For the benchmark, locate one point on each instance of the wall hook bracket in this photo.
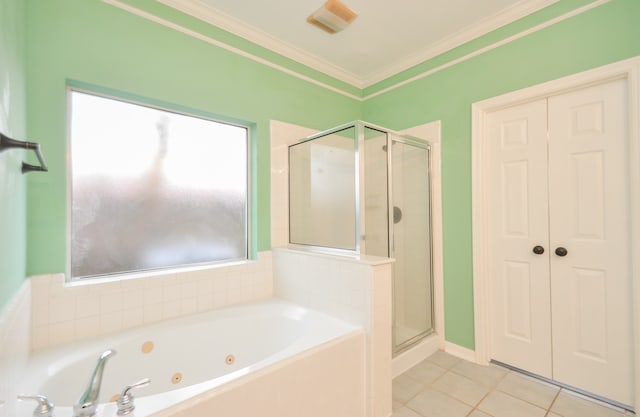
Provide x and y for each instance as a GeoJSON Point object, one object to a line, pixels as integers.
{"type": "Point", "coordinates": [8, 143]}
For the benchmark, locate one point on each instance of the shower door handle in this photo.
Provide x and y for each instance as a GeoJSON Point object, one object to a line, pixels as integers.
{"type": "Point", "coordinates": [397, 214]}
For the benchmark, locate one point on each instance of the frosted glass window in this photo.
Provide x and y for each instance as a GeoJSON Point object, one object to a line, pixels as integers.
{"type": "Point", "coordinates": [153, 189]}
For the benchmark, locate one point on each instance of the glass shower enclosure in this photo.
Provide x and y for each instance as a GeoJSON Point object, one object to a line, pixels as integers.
{"type": "Point", "coordinates": [363, 189]}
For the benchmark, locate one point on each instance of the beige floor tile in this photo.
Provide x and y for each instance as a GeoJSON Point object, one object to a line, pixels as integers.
{"type": "Point", "coordinates": [528, 389]}
{"type": "Point", "coordinates": [571, 405]}
{"type": "Point", "coordinates": [426, 372]}
{"type": "Point", "coordinates": [489, 376]}
{"type": "Point", "coordinates": [405, 412]}
{"type": "Point", "coordinates": [461, 388]}
{"type": "Point", "coordinates": [499, 404]}
{"type": "Point", "coordinates": [429, 390]}
{"type": "Point", "coordinates": [443, 360]}
{"type": "Point", "coordinates": [405, 388]}
{"type": "Point", "coordinates": [478, 413]}
{"type": "Point", "coordinates": [432, 403]}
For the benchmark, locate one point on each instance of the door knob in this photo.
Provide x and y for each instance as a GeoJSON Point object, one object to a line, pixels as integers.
{"type": "Point", "coordinates": [538, 250]}
{"type": "Point", "coordinates": [560, 251]}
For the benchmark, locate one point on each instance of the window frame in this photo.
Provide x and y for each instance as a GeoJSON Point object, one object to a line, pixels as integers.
{"type": "Point", "coordinates": [249, 247]}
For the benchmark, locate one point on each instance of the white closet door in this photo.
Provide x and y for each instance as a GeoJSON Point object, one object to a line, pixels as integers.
{"type": "Point", "coordinates": [518, 218]}
{"type": "Point", "coordinates": [589, 217]}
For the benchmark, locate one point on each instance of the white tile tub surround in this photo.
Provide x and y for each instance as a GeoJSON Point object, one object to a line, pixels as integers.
{"type": "Point", "coordinates": [63, 313]}
{"type": "Point", "coordinates": [14, 347]}
{"type": "Point", "coordinates": [354, 290]}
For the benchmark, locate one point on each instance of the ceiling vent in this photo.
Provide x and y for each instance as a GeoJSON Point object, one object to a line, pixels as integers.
{"type": "Point", "coordinates": [332, 17]}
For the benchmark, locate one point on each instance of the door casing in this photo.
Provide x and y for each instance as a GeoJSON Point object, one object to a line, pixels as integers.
{"type": "Point", "coordinates": [629, 70]}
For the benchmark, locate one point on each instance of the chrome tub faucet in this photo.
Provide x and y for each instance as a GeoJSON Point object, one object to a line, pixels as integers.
{"type": "Point", "coordinates": [88, 403]}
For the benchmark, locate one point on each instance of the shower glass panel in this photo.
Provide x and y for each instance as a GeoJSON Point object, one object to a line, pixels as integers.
{"type": "Point", "coordinates": [322, 191]}
{"type": "Point", "coordinates": [413, 317]}
{"type": "Point", "coordinates": [376, 207]}
{"type": "Point", "coordinates": [362, 189]}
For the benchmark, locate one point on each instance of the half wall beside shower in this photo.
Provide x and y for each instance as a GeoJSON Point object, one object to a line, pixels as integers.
{"type": "Point", "coordinates": [362, 189]}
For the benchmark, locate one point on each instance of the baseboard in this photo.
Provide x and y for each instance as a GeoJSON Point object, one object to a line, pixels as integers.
{"type": "Point", "coordinates": [460, 351]}
{"type": "Point", "coordinates": [413, 356]}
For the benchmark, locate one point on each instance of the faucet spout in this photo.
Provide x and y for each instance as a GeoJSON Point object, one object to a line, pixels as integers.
{"type": "Point", "coordinates": [88, 402]}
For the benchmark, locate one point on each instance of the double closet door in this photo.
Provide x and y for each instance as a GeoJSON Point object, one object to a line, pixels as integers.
{"type": "Point", "coordinates": [560, 262]}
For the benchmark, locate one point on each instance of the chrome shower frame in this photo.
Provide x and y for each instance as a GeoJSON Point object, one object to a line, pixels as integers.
{"type": "Point", "coordinates": [419, 143]}
{"type": "Point", "coordinates": [360, 228]}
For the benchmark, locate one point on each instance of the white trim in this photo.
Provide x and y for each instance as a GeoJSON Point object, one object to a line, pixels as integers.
{"type": "Point", "coordinates": [220, 44]}
{"type": "Point", "coordinates": [195, 9]}
{"type": "Point", "coordinates": [216, 17]}
{"type": "Point", "coordinates": [629, 70]}
{"type": "Point", "coordinates": [480, 28]}
{"type": "Point", "coordinates": [459, 351]}
{"type": "Point", "coordinates": [491, 47]}
{"type": "Point", "coordinates": [411, 357]}
{"type": "Point", "coordinates": [229, 23]}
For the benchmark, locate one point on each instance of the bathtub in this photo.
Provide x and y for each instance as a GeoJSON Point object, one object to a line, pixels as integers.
{"type": "Point", "coordinates": [270, 358]}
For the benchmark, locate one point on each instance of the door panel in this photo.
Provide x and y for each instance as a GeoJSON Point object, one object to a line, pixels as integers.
{"type": "Point", "coordinates": [588, 206]}
{"type": "Point", "coordinates": [517, 301]}
{"type": "Point", "coordinates": [519, 291]}
{"type": "Point", "coordinates": [589, 305]}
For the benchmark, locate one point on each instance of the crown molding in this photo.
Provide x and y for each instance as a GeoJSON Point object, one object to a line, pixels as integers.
{"type": "Point", "coordinates": [197, 35]}
{"type": "Point", "coordinates": [517, 11]}
{"type": "Point", "coordinates": [477, 52]}
{"type": "Point", "coordinates": [469, 33]}
{"type": "Point", "coordinates": [206, 13]}
{"type": "Point", "coordinates": [213, 16]}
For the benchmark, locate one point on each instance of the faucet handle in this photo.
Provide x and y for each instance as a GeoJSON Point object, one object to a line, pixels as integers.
{"type": "Point", "coordinates": [44, 407]}
{"type": "Point", "coordinates": [125, 401]}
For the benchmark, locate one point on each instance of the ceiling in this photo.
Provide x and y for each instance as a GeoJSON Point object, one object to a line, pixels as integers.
{"type": "Point", "coordinates": [386, 37]}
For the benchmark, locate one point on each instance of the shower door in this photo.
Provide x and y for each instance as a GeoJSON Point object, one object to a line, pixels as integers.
{"type": "Point", "coordinates": [360, 189]}
{"type": "Point", "coordinates": [410, 241]}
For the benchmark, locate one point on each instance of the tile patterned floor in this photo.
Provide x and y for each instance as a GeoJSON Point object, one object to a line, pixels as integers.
{"type": "Point", "coordinates": [445, 386]}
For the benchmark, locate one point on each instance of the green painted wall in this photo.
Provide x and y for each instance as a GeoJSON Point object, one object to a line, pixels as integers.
{"type": "Point", "coordinates": [13, 124]}
{"type": "Point", "coordinates": [603, 35]}
{"type": "Point", "coordinates": [94, 43]}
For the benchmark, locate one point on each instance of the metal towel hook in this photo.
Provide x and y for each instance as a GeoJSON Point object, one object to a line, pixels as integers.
{"type": "Point", "coordinates": [8, 143]}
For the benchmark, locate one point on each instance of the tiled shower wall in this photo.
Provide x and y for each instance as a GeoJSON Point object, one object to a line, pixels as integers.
{"type": "Point", "coordinates": [63, 314]}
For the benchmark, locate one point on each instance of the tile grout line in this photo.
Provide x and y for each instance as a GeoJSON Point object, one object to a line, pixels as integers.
{"type": "Point", "coordinates": [490, 391]}
{"type": "Point", "coordinates": [553, 402]}
{"type": "Point", "coordinates": [475, 408]}
{"type": "Point", "coordinates": [493, 388]}
{"type": "Point", "coordinates": [424, 385]}
{"type": "Point", "coordinates": [508, 394]}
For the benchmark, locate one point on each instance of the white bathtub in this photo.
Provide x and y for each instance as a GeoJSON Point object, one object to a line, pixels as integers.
{"type": "Point", "coordinates": [275, 346]}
